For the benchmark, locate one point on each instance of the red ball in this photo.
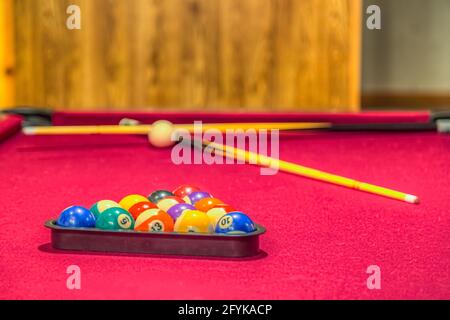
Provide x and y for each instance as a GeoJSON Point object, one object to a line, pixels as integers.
{"type": "Point", "coordinates": [185, 190]}
{"type": "Point", "coordinates": [140, 207]}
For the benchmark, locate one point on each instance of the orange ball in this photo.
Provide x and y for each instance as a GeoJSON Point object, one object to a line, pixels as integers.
{"type": "Point", "coordinates": [154, 220]}
{"type": "Point", "coordinates": [207, 203]}
{"type": "Point", "coordinates": [140, 207]}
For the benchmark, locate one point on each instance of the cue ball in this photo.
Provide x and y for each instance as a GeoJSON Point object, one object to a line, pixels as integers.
{"type": "Point", "coordinates": [193, 221]}
{"type": "Point", "coordinates": [235, 222]}
{"type": "Point", "coordinates": [115, 219]}
{"type": "Point", "coordinates": [76, 217]}
{"type": "Point", "coordinates": [160, 134]}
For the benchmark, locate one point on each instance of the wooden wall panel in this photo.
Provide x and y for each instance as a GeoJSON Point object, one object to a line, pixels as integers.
{"type": "Point", "coordinates": [6, 54]}
{"type": "Point", "coordinates": [190, 54]}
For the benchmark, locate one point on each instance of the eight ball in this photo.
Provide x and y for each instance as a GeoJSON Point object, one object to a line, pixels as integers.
{"type": "Point", "coordinates": [158, 195]}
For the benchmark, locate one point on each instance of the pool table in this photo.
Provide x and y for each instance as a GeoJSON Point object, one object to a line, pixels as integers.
{"type": "Point", "coordinates": [320, 238]}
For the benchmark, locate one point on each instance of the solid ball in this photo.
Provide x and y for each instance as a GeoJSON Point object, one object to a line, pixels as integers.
{"type": "Point", "coordinates": [102, 205]}
{"type": "Point", "coordinates": [218, 211]}
{"type": "Point", "coordinates": [178, 209]}
{"type": "Point", "coordinates": [140, 207]}
{"type": "Point", "coordinates": [168, 202]}
{"type": "Point", "coordinates": [196, 196]}
{"type": "Point", "coordinates": [185, 190]}
{"type": "Point", "coordinates": [235, 223]}
{"type": "Point", "coordinates": [76, 217]}
{"type": "Point", "coordinates": [157, 195]}
{"type": "Point", "coordinates": [130, 200]}
{"type": "Point", "coordinates": [115, 219]}
{"type": "Point", "coordinates": [160, 134]}
{"type": "Point", "coordinates": [207, 203]}
{"type": "Point", "coordinates": [154, 220]}
{"type": "Point", "coordinates": [193, 221]}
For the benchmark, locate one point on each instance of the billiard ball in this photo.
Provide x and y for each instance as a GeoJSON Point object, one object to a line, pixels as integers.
{"type": "Point", "coordinates": [217, 212]}
{"type": "Point", "coordinates": [235, 222]}
{"type": "Point", "coordinates": [168, 202]}
{"type": "Point", "coordinates": [140, 207]}
{"type": "Point", "coordinates": [76, 217]}
{"type": "Point", "coordinates": [115, 219]}
{"type": "Point", "coordinates": [178, 209]}
{"type": "Point", "coordinates": [154, 220]}
{"type": "Point", "coordinates": [102, 205]}
{"type": "Point", "coordinates": [130, 200]}
{"type": "Point", "coordinates": [185, 190]}
{"type": "Point", "coordinates": [157, 195]}
{"type": "Point", "coordinates": [160, 134]}
{"type": "Point", "coordinates": [207, 203]}
{"type": "Point", "coordinates": [193, 221]}
{"type": "Point", "coordinates": [196, 196]}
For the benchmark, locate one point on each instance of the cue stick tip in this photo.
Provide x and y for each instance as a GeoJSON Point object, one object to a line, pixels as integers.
{"type": "Point", "coordinates": [412, 199]}
{"type": "Point", "coordinates": [29, 131]}
{"type": "Point", "coordinates": [443, 125]}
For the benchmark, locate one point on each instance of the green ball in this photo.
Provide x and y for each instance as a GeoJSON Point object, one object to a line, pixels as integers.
{"type": "Point", "coordinates": [115, 219]}
{"type": "Point", "coordinates": [102, 205]}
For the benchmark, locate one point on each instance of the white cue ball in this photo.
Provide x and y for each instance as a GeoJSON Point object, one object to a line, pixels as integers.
{"type": "Point", "coordinates": [160, 135]}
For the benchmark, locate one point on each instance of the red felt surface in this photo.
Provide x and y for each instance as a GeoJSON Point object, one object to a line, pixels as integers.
{"type": "Point", "coordinates": [320, 238]}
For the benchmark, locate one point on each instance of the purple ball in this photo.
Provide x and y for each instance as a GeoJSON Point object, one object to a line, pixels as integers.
{"type": "Point", "coordinates": [198, 195]}
{"type": "Point", "coordinates": [176, 210]}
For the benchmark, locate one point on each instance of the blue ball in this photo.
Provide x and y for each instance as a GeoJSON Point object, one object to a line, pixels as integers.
{"type": "Point", "coordinates": [235, 222]}
{"type": "Point", "coordinates": [76, 217]}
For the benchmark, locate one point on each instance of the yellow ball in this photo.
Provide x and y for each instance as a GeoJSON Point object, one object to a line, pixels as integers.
{"type": "Point", "coordinates": [161, 133]}
{"type": "Point", "coordinates": [214, 215]}
{"type": "Point", "coordinates": [131, 200]}
{"type": "Point", "coordinates": [193, 221]}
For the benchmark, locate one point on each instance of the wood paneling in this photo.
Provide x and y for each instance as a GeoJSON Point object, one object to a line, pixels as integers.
{"type": "Point", "coordinates": [6, 54]}
{"type": "Point", "coordinates": [406, 100]}
{"type": "Point", "coordinates": [190, 54]}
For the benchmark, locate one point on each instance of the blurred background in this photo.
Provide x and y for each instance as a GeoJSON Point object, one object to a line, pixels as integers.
{"type": "Point", "coordinates": [213, 55]}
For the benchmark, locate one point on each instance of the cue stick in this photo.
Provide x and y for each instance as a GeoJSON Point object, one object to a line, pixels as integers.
{"type": "Point", "coordinates": [311, 173]}
{"type": "Point", "coordinates": [145, 129]}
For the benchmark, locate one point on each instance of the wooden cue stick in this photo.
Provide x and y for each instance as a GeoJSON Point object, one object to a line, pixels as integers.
{"type": "Point", "coordinates": [145, 129]}
{"type": "Point", "coordinates": [265, 161]}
